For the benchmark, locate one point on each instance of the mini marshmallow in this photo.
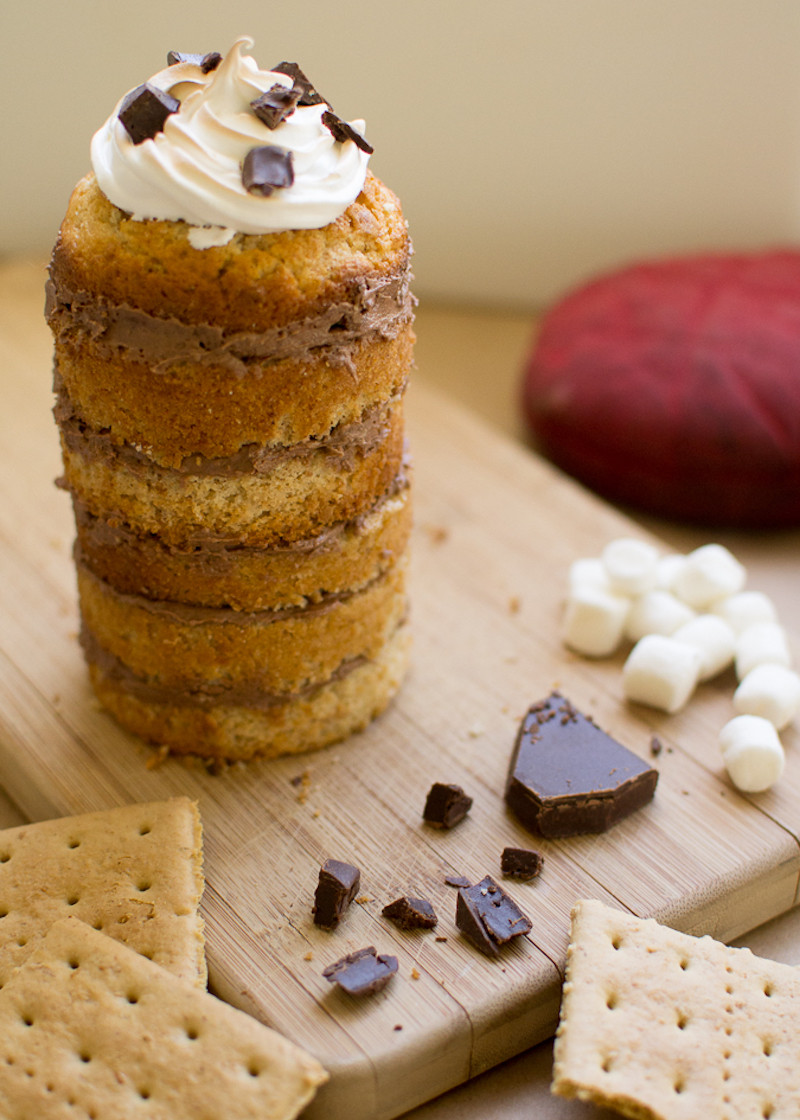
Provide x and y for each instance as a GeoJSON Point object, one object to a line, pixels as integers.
{"type": "Point", "coordinates": [710, 573]}
{"type": "Point", "coordinates": [595, 621]}
{"type": "Point", "coordinates": [656, 612]}
{"type": "Point", "coordinates": [631, 566]}
{"type": "Point", "coordinates": [745, 609]}
{"type": "Point", "coordinates": [588, 573]}
{"type": "Point", "coordinates": [770, 691]}
{"type": "Point", "coordinates": [752, 753]}
{"type": "Point", "coordinates": [667, 569]}
{"type": "Point", "coordinates": [713, 639]}
{"type": "Point", "coordinates": [762, 644]}
{"type": "Point", "coordinates": [661, 672]}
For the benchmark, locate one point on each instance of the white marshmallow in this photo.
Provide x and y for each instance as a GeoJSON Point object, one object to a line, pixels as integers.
{"type": "Point", "coordinates": [595, 621]}
{"type": "Point", "coordinates": [770, 691]}
{"type": "Point", "coordinates": [713, 639]}
{"type": "Point", "coordinates": [656, 612]}
{"type": "Point", "coordinates": [745, 609]}
{"type": "Point", "coordinates": [661, 672]}
{"type": "Point", "coordinates": [667, 568]}
{"type": "Point", "coordinates": [631, 566]}
{"type": "Point", "coordinates": [752, 753]}
{"type": "Point", "coordinates": [710, 573]}
{"type": "Point", "coordinates": [762, 644]}
{"type": "Point", "coordinates": [588, 573]}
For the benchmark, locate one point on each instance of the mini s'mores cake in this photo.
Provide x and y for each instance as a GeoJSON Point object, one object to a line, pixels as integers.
{"type": "Point", "coordinates": [233, 335]}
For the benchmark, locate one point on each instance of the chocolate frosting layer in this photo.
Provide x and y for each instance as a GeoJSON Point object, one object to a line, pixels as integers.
{"type": "Point", "coordinates": [346, 444]}
{"type": "Point", "coordinates": [200, 694]}
{"type": "Point", "coordinates": [216, 553]}
{"type": "Point", "coordinates": [378, 308]}
{"type": "Point", "coordinates": [188, 615]}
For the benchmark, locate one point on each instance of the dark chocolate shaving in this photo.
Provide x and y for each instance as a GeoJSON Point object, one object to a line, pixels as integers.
{"type": "Point", "coordinates": [206, 62]}
{"type": "Point", "coordinates": [446, 805]}
{"type": "Point", "coordinates": [521, 863]}
{"type": "Point", "coordinates": [308, 95]}
{"type": "Point", "coordinates": [337, 887]}
{"type": "Point", "coordinates": [362, 972]}
{"type": "Point", "coordinates": [267, 169]}
{"type": "Point", "coordinates": [488, 917]}
{"type": "Point", "coordinates": [144, 111]}
{"type": "Point", "coordinates": [342, 131]}
{"type": "Point", "coordinates": [276, 104]}
{"type": "Point", "coordinates": [457, 881]}
{"type": "Point", "coordinates": [411, 913]}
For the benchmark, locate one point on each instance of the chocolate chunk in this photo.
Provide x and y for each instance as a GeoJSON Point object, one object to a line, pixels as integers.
{"type": "Point", "coordinates": [342, 131]}
{"type": "Point", "coordinates": [568, 777]}
{"type": "Point", "coordinates": [488, 917]}
{"type": "Point", "coordinates": [655, 746]}
{"type": "Point", "coordinates": [308, 95]}
{"type": "Point", "coordinates": [337, 887]}
{"type": "Point", "coordinates": [411, 913]}
{"type": "Point", "coordinates": [144, 110]}
{"type": "Point", "coordinates": [362, 972]}
{"type": "Point", "coordinates": [446, 805]}
{"type": "Point", "coordinates": [266, 169]}
{"type": "Point", "coordinates": [275, 105]}
{"type": "Point", "coordinates": [457, 880]}
{"type": "Point", "coordinates": [521, 863]}
{"type": "Point", "coordinates": [206, 62]}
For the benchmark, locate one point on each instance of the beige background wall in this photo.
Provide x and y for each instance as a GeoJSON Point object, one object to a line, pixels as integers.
{"type": "Point", "coordinates": [532, 141]}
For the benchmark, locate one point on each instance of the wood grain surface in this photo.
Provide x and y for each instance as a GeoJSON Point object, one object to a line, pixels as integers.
{"type": "Point", "coordinates": [496, 529]}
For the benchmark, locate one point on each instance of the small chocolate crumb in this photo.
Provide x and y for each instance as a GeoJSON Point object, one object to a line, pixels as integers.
{"type": "Point", "coordinates": [267, 169]}
{"type": "Point", "coordinates": [397, 1027]}
{"type": "Point", "coordinates": [488, 917]}
{"type": "Point", "coordinates": [446, 805]}
{"type": "Point", "coordinates": [410, 913]}
{"type": "Point", "coordinates": [362, 972]}
{"type": "Point", "coordinates": [440, 939]}
{"type": "Point", "coordinates": [308, 95]}
{"type": "Point", "coordinates": [342, 131]}
{"type": "Point", "coordinates": [456, 881]}
{"type": "Point", "coordinates": [276, 104]}
{"type": "Point", "coordinates": [655, 746]}
{"type": "Point", "coordinates": [206, 62]}
{"type": "Point", "coordinates": [144, 110]}
{"type": "Point", "coordinates": [521, 863]}
{"type": "Point", "coordinates": [337, 887]}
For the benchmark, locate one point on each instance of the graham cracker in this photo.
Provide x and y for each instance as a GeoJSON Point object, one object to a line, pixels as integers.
{"type": "Point", "coordinates": [135, 872]}
{"type": "Point", "coordinates": [89, 1028]}
{"type": "Point", "coordinates": [663, 1026]}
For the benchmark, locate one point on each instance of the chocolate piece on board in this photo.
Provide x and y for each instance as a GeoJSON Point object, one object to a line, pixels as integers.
{"type": "Point", "coordinates": [275, 105]}
{"type": "Point", "coordinates": [362, 972]}
{"type": "Point", "coordinates": [446, 805]}
{"type": "Point", "coordinates": [266, 169]}
{"type": "Point", "coordinates": [568, 777]}
{"type": "Point", "coordinates": [337, 887]}
{"type": "Point", "coordinates": [521, 863]}
{"type": "Point", "coordinates": [488, 917]}
{"type": "Point", "coordinates": [457, 880]}
{"type": "Point", "coordinates": [144, 110]}
{"type": "Point", "coordinates": [341, 131]}
{"type": "Point", "coordinates": [308, 95]}
{"type": "Point", "coordinates": [411, 913]}
{"type": "Point", "coordinates": [206, 62]}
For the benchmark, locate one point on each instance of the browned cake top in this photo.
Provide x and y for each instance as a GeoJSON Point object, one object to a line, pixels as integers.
{"type": "Point", "coordinates": [255, 282]}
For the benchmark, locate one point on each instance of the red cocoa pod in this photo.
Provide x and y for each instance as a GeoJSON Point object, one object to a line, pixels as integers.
{"type": "Point", "coordinates": [674, 387]}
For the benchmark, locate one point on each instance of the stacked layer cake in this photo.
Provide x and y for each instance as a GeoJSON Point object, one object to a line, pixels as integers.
{"type": "Point", "coordinates": [231, 412]}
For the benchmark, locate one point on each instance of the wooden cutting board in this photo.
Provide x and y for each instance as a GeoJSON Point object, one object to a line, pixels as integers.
{"type": "Point", "coordinates": [496, 530]}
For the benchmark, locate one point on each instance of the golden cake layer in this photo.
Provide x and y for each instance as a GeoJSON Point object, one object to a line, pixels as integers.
{"type": "Point", "coordinates": [345, 556]}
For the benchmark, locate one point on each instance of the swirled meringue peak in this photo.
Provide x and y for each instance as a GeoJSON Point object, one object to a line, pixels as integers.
{"type": "Point", "coordinates": [191, 171]}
